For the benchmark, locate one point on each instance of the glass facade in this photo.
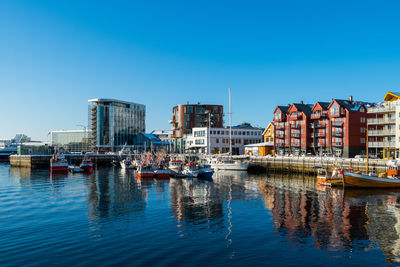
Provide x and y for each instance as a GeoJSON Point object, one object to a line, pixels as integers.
{"type": "Point", "coordinates": [71, 141]}
{"type": "Point", "coordinates": [115, 123]}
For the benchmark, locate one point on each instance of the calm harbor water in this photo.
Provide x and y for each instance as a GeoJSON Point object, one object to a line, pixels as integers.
{"type": "Point", "coordinates": [110, 217]}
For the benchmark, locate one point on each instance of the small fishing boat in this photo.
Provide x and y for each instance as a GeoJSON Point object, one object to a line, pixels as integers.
{"type": "Point", "coordinates": [205, 171]}
{"type": "Point", "coordinates": [162, 173]}
{"type": "Point", "coordinates": [191, 170]}
{"type": "Point", "coordinates": [87, 165]}
{"type": "Point", "coordinates": [58, 164]}
{"type": "Point", "coordinates": [75, 169]}
{"type": "Point", "coordinates": [326, 179]}
{"type": "Point", "coordinates": [145, 171]}
{"type": "Point", "coordinates": [175, 166]}
{"type": "Point", "coordinates": [127, 163]}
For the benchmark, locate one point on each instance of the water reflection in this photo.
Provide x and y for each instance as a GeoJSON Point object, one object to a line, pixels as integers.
{"type": "Point", "coordinates": [113, 193]}
{"type": "Point", "coordinates": [335, 219]}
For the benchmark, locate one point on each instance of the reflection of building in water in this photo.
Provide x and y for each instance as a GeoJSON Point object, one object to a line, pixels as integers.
{"type": "Point", "coordinates": [300, 211]}
{"type": "Point", "coordinates": [193, 200]}
{"type": "Point", "coordinates": [384, 225]}
{"type": "Point", "coordinates": [113, 193]}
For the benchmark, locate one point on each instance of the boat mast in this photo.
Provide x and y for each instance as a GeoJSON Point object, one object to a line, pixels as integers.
{"type": "Point", "coordinates": [230, 123]}
{"type": "Point", "coordinates": [367, 150]}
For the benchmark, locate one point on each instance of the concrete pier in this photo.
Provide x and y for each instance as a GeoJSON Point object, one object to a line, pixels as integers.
{"type": "Point", "coordinates": [43, 161]}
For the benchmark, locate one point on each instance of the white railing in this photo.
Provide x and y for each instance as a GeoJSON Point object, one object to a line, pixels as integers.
{"type": "Point", "coordinates": [380, 132]}
{"type": "Point", "coordinates": [381, 121]}
{"type": "Point", "coordinates": [381, 109]}
{"type": "Point", "coordinates": [381, 144]}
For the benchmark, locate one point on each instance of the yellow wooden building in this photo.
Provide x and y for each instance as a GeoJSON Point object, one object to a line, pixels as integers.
{"type": "Point", "coordinates": [265, 148]}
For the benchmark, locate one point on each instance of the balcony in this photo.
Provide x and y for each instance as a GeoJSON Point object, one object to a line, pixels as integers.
{"type": "Point", "coordinates": [381, 109]}
{"type": "Point", "coordinates": [296, 126]}
{"type": "Point", "coordinates": [280, 136]}
{"type": "Point", "coordinates": [295, 145]}
{"type": "Point", "coordinates": [320, 134]}
{"type": "Point", "coordinates": [280, 127]}
{"type": "Point", "coordinates": [381, 121]}
{"type": "Point", "coordinates": [337, 144]}
{"type": "Point", "coordinates": [381, 144]}
{"type": "Point", "coordinates": [296, 116]}
{"type": "Point", "coordinates": [295, 135]}
{"type": "Point", "coordinates": [319, 115]}
{"type": "Point", "coordinates": [380, 133]}
{"type": "Point", "coordinates": [337, 124]}
{"type": "Point", "coordinates": [337, 134]}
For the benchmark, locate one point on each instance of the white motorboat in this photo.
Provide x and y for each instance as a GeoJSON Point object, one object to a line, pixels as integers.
{"type": "Point", "coordinates": [229, 164]}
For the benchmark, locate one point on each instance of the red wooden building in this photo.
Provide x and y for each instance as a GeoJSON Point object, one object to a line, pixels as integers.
{"type": "Point", "coordinates": [336, 128]}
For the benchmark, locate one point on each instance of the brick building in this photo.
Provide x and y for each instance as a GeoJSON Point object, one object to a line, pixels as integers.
{"type": "Point", "coordinates": [336, 128]}
{"type": "Point", "coordinates": [185, 117]}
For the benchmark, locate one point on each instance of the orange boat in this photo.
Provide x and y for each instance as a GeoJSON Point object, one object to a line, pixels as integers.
{"type": "Point", "coordinates": [145, 172]}
{"type": "Point", "coordinates": [334, 179]}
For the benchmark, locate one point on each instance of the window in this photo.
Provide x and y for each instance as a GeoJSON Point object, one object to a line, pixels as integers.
{"type": "Point", "coordinates": [189, 109]}
{"type": "Point", "coordinates": [217, 132]}
{"type": "Point", "coordinates": [362, 119]}
{"type": "Point", "coordinates": [362, 109]}
{"type": "Point", "coordinates": [217, 140]}
{"type": "Point", "coordinates": [362, 140]}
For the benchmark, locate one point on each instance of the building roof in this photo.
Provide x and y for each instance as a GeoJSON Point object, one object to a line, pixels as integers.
{"type": "Point", "coordinates": [392, 96]}
{"type": "Point", "coordinates": [244, 126]}
{"type": "Point", "coordinates": [151, 136]}
{"type": "Point", "coordinates": [284, 108]}
{"type": "Point", "coordinates": [352, 105]}
{"type": "Point", "coordinates": [266, 128]}
{"type": "Point", "coordinates": [104, 100]}
{"type": "Point", "coordinates": [261, 144]}
{"type": "Point", "coordinates": [306, 108]}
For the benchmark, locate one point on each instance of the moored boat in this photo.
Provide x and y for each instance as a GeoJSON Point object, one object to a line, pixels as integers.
{"type": "Point", "coordinates": [87, 165]}
{"type": "Point", "coordinates": [205, 171]}
{"type": "Point", "coordinates": [162, 174]}
{"type": "Point", "coordinates": [175, 166]}
{"type": "Point", "coordinates": [58, 164]}
{"type": "Point", "coordinates": [391, 179]}
{"type": "Point", "coordinates": [191, 170]}
{"type": "Point", "coordinates": [333, 179]}
{"type": "Point", "coordinates": [145, 172]}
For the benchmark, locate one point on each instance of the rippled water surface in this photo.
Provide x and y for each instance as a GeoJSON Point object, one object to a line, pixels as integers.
{"type": "Point", "coordinates": [110, 217]}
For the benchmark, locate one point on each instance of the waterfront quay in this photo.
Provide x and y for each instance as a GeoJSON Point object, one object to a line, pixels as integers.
{"type": "Point", "coordinates": [43, 161]}
{"type": "Point", "coordinates": [257, 164]}
{"type": "Point", "coordinates": [308, 164]}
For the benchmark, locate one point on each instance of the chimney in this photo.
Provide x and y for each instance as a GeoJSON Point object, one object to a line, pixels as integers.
{"type": "Point", "coordinates": [301, 102]}
{"type": "Point", "coordinates": [350, 99]}
{"type": "Point", "coordinates": [187, 102]}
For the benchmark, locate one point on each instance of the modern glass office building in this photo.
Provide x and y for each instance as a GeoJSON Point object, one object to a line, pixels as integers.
{"type": "Point", "coordinates": [114, 123]}
{"type": "Point", "coordinates": [71, 141]}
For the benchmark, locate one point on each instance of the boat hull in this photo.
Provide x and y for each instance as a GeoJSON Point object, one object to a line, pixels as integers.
{"type": "Point", "coordinates": [59, 168]}
{"type": "Point", "coordinates": [231, 166]}
{"type": "Point", "coordinates": [163, 174]}
{"type": "Point", "coordinates": [365, 181]}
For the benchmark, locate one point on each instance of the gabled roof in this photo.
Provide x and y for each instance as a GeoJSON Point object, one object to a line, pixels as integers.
{"type": "Point", "coordinates": [306, 108]}
{"type": "Point", "coordinates": [392, 96]}
{"type": "Point", "coordinates": [284, 109]}
{"type": "Point", "coordinates": [324, 105]}
{"type": "Point", "coordinates": [350, 105]}
{"type": "Point", "coordinates": [266, 128]}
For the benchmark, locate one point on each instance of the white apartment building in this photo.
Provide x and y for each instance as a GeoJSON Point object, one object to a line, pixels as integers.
{"type": "Point", "coordinates": [242, 135]}
{"type": "Point", "coordinates": [384, 127]}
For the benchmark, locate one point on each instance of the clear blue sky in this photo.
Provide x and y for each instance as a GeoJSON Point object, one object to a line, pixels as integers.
{"type": "Point", "coordinates": [55, 55]}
